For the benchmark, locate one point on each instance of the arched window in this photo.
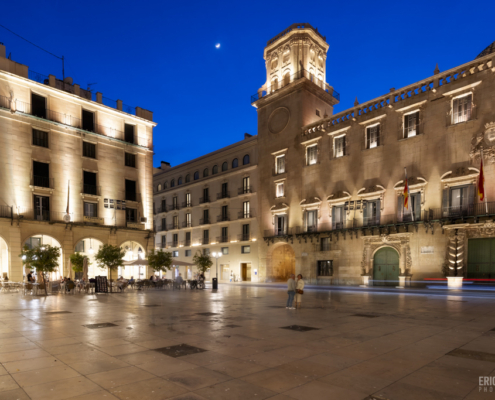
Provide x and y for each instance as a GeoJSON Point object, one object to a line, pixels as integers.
{"type": "Point", "coordinates": [235, 163]}
{"type": "Point", "coordinates": [196, 175]}
{"type": "Point", "coordinates": [225, 166]}
{"type": "Point", "coordinates": [214, 170]}
{"type": "Point", "coordinates": [172, 183]}
{"type": "Point", "coordinates": [179, 181]}
{"type": "Point", "coordinates": [205, 172]}
{"type": "Point", "coordinates": [275, 84]}
{"type": "Point", "coordinates": [245, 160]}
{"type": "Point", "coordinates": [165, 185]}
{"type": "Point", "coordinates": [286, 78]}
{"type": "Point", "coordinates": [188, 178]}
{"type": "Point", "coordinates": [159, 186]}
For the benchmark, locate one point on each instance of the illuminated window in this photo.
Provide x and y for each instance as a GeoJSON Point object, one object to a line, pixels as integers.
{"type": "Point", "coordinates": [279, 189]}
{"type": "Point", "coordinates": [411, 123]}
{"type": "Point", "coordinates": [462, 108]}
{"type": "Point", "coordinates": [373, 136]}
{"type": "Point", "coordinates": [312, 154]}
{"type": "Point", "coordinates": [339, 146]}
{"type": "Point", "coordinates": [280, 164]}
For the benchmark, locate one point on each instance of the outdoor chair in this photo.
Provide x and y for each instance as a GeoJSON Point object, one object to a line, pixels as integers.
{"type": "Point", "coordinates": [28, 288]}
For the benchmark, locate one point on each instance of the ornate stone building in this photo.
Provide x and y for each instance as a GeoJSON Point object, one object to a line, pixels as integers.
{"type": "Point", "coordinates": [330, 186]}
{"type": "Point", "coordinates": [76, 170]}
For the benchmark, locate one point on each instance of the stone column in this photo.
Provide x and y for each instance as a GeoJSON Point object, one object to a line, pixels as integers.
{"type": "Point", "coordinates": [16, 270]}
{"type": "Point", "coordinates": [68, 247]}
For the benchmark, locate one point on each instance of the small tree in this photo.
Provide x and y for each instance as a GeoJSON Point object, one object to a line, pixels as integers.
{"type": "Point", "coordinates": [202, 261]}
{"type": "Point", "coordinates": [160, 260]}
{"type": "Point", "coordinates": [77, 261]}
{"type": "Point", "coordinates": [111, 257]}
{"type": "Point", "coordinates": [44, 259]}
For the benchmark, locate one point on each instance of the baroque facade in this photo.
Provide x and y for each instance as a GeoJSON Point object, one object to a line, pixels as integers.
{"type": "Point", "coordinates": [76, 171]}
{"type": "Point", "coordinates": [330, 185]}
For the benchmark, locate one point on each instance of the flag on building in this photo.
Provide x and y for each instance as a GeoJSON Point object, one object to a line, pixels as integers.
{"type": "Point", "coordinates": [481, 182]}
{"type": "Point", "coordinates": [406, 192]}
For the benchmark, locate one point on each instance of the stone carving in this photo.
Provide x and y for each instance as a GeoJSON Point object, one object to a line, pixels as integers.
{"type": "Point", "coordinates": [485, 141]}
{"type": "Point", "coordinates": [278, 120]}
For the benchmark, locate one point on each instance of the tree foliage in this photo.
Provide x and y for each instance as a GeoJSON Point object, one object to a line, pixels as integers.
{"type": "Point", "coordinates": [202, 261]}
{"type": "Point", "coordinates": [77, 261]}
{"type": "Point", "coordinates": [109, 256]}
{"type": "Point", "coordinates": [43, 258]}
{"type": "Point", "coordinates": [160, 260]}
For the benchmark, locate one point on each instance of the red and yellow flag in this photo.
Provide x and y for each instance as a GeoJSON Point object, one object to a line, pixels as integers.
{"type": "Point", "coordinates": [406, 192]}
{"type": "Point", "coordinates": [481, 182]}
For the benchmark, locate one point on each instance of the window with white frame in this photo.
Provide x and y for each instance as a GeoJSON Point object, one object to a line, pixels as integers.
{"type": "Point", "coordinates": [312, 154]}
{"type": "Point", "coordinates": [338, 217]}
{"type": "Point", "coordinates": [411, 124]}
{"type": "Point", "coordinates": [373, 136]}
{"type": "Point", "coordinates": [280, 164]}
{"type": "Point", "coordinates": [311, 221]}
{"type": "Point", "coordinates": [462, 108]}
{"type": "Point", "coordinates": [175, 253]}
{"type": "Point", "coordinates": [279, 189]}
{"type": "Point", "coordinates": [339, 146]}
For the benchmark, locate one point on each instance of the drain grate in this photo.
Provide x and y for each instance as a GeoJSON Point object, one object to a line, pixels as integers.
{"type": "Point", "coordinates": [98, 326]}
{"type": "Point", "coordinates": [365, 315]}
{"type": "Point", "coordinates": [300, 328]}
{"type": "Point", "coordinates": [58, 312]}
{"type": "Point", "coordinates": [180, 350]}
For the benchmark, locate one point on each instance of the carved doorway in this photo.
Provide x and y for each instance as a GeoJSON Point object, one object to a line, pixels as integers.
{"type": "Point", "coordinates": [386, 267]}
{"type": "Point", "coordinates": [283, 262]}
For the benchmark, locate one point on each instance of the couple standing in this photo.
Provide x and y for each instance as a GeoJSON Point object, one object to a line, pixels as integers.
{"type": "Point", "coordinates": [295, 289]}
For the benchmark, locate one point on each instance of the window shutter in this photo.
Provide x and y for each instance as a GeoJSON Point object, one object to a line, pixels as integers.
{"type": "Point", "coordinates": [344, 150]}
{"type": "Point", "coordinates": [333, 217]}
{"type": "Point", "coordinates": [377, 219]}
{"type": "Point", "coordinates": [445, 202]}
{"type": "Point", "coordinates": [378, 141]}
{"type": "Point", "coordinates": [400, 208]}
{"type": "Point", "coordinates": [470, 199]}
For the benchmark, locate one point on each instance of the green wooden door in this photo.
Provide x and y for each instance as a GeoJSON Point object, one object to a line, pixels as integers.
{"type": "Point", "coordinates": [481, 258]}
{"type": "Point", "coordinates": [386, 267]}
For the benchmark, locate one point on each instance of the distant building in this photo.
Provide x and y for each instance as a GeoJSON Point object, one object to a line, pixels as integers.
{"type": "Point", "coordinates": [75, 171]}
{"type": "Point", "coordinates": [329, 187]}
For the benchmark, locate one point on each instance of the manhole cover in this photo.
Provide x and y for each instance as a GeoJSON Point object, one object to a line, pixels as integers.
{"type": "Point", "coordinates": [180, 350]}
{"type": "Point", "coordinates": [98, 326]}
{"type": "Point", "coordinates": [300, 328]}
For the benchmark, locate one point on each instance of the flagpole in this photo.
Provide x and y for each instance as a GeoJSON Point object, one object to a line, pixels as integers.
{"type": "Point", "coordinates": [408, 195]}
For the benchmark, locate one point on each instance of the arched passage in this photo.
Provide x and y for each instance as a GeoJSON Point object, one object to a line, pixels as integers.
{"type": "Point", "coordinates": [386, 267]}
{"type": "Point", "coordinates": [133, 251]}
{"type": "Point", "coordinates": [283, 263]}
{"type": "Point", "coordinates": [4, 259]}
{"type": "Point", "coordinates": [45, 240]}
{"type": "Point", "coordinates": [89, 247]}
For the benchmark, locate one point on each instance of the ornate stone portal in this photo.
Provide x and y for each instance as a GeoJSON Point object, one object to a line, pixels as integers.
{"type": "Point", "coordinates": [485, 141]}
{"type": "Point", "coordinates": [400, 242]}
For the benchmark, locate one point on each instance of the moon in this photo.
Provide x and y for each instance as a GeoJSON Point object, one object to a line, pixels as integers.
{"type": "Point", "coordinates": [217, 45]}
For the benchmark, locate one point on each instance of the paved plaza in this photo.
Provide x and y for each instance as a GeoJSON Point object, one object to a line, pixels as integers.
{"type": "Point", "coordinates": [242, 343]}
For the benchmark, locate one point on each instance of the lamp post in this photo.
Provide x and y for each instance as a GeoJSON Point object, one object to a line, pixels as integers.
{"type": "Point", "coordinates": [216, 256]}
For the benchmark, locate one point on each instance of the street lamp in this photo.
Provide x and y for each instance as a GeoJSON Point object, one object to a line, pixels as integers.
{"type": "Point", "coordinates": [216, 256]}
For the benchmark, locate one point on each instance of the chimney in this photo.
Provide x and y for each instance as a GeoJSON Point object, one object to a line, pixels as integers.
{"type": "Point", "coordinates": [3, 52]}
{"type": "Point", "coordinates": [164, 165]}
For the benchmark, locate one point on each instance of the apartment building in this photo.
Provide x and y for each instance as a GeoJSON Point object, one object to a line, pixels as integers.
{"type": "Point", "coordinates": [209, 205]}
{"type": "Point", "coordinates": [76, 170]}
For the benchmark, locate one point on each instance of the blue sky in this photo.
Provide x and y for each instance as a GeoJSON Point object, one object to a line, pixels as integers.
{"type": "Point", "coordinates": [161, 55]}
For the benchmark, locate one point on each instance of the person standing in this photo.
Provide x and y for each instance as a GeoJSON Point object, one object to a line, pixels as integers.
{"type": "Point", "coordinates": [299, 290]}
{"type": "Point", "coordinates": [291, 291]}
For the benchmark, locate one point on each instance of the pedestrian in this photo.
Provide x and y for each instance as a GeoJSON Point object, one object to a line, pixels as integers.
{"type": "Point", "coordinates": [299, 290]}
{"type": "Point", "coordinates": [291, 291]}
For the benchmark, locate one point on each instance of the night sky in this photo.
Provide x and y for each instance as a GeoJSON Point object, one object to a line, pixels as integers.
{"type": "Point", "coordinates": [161, 55]}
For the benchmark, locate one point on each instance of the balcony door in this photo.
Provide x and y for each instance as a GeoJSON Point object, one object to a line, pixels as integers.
{"type": "Point", "coordinates": [280, 225]}
{"type": "Point", "coordinates": [42, 208]}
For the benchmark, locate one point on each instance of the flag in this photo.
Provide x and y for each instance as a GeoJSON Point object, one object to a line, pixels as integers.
{"type": "Point", "coordinates": [406, 192]}
{"type": "Point", "coordinates": [481, 182]}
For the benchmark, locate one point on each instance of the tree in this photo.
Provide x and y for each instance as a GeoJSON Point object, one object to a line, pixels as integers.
{"type": "Point", "coordinates": [160, 260]}
{"type": "Point", "coordinates": [202, 261]}
{"type": "Point", "coordinates": [77, 261]}
{"type": "Point", "coordinates": [43, 258]}
{"type": "Point", "coordinates": [111, 257]}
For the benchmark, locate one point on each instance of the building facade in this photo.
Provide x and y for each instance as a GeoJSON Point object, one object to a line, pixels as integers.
{"type": "Point", "coordinates": [76, 171]}
{"type": "Point", "coordinates": [209, 205]}
{"type": "Point", "coordinates": [330, 186]}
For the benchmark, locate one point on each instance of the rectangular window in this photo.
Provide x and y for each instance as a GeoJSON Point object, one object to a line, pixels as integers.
{"type": "Point", "coordinates": [164, 241]}
{"type": "Point", "coordinates": [246, 185]}
{"type": "Point", "coordinates": [339, 149]}
{"type": "Point", "coordinates": [41, 174]}
{"type": "Point", "coordinates": [225, 213]}
{"type": "Point", "coordinates": [317, 112]}
{"type": "Point", "coordinates": [188, 200]}
{"type": "Point", "coordinates": [459, 201]}
{"type": "Point", "coordinates": [131, 215]}
{"type": "Point", "coordinates": [40, 138]}
{"type": "Point", "coordinates": [279, 188]}
{"type": "Point", "coordinates": [89, 150]}
{"type": "Point", "coordinates": [462, 108]}
{"type": "Point", "coordinates": [280, 225]}
{"type": "Point", "coordinates": [188, 220]}
{"type": "Point", "coordinates": [130, 160]}
{"type": "Point", "coordinates": [164, 224]}
{"type": "Point", "coordinates": [188, 253]}
{"type": "Point", "coordinates": [312, 221]}
{"type": "Point", "coordinates": [280, 164]}
{"type": "Point", "coordinates": [371, 212]}
{"type": "Point", "coordinates": [206, 216]}
{"type": "Point", "coordinates": [206, 196]}
{"type": "Point", "coordinates": [206, 236]}
{"type": "Point", "coordinates": [246, 249]}
{"type": "Point", "coordinates": [411, 124]}
{"type": "Point", "coordinates": [206, 252]}
{"type": "Point", "coordinates": [225, 235]}
{"type": "Point", "coordinates": [42, 208]}
{"type": "Point", "coordinates": [175, 253]}
{"type": "Point", "coordinates": [175, 203]}
{"type": "Point", "coordinates": [225, 190]}
{"type": "Point", "coordinates": [164, 205]}
{"type": "Point", "coordinates": [372, 136]}
{"type": "Point", "coordinates": [80, 246]}
{"type": "Point", "coordinates": [325, 244]}
{"type": "Point", "coordinates": [88, 120]}
{"type": "Point", "coordinates": [91, 210]}
{"type": "Point", "coordinates": [325, 268]}
{"type": "Point", "coordinates": [246, 209]}
{"type": "Point", "coordinates": [188, 239]}
{"type": "Point", "coordinates": [130, 190]}
{"type": "Point", "coordinates": [176, 222]}
{"type": "Point", "coordinates": [414, 206]}
{"type": "Point", "coordinates": [225, 251]}
{"type": "Point", "coordinates": [129, 133]}
{"type": "Point", "coordinates": [245, 232]}
{"type": "Point", "coordinates": [338, 217]}
{"type": "Point", "coordinates": [38, 105]}
{"type": "Point", "coordinates": [89, 186]}
{"type": "Point", "coordinates": [312, 154]}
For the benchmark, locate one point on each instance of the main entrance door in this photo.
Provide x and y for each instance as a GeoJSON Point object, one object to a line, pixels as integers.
{"type": "Point", "coordinates": [481, 258]}
{"type": "Point", "coordinates": [386, 267]}
{"type": "Point", "coordinates": [246, 272]}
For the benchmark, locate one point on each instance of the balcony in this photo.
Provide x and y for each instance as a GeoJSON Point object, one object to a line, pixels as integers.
{"type": "Point", "coordinates": [174, 207]}
{"type": "Point", "coordinates": [186, 204]}
{"type": "Point", "coordinates": [186, 224]}
{"type": "Point", "coordinates": [223, 195]}
{"type": "Point", "coordinates": [186, 242]}
{"type": "Point", "coordinates": [173, 244]}
{"type": "Point", "coordinates": [245, 190]}
{"type": "Point", "coordinates": [91, 190]}
{"type": "Point", "coordinates": [223, 217]}
{"type": "Point", "coordinates": [278, 232]}
{"type": "Point", "coordinates": [161, 228]}
{"type": "Point", "coordinates": [223, 239]}
{"type": "Point", "coordinates": [246, 214]}
{"type": "Point", "coordinates": [173, 226]}
{"type": "Point", "coordinates": [204, 200]}
{"type": "Point", "coordinates": [204, 221]}
{"type": "Point", "coordinates": [205, 240]}
{"type": "Point", "coordinates": [244, 237]}
{"type": "Point", "coordinates": [42, 182]}
{"type": "Point", "coordinates": [307, 229]}
{"type": "Point", "coordinates": [161, 209]}
{"type": "Point", "coordinates": [133, 196]}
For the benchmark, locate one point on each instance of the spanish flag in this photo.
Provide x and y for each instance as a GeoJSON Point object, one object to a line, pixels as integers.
{"type": "Point", "coordinates": [481, 182]}
{"type": "Point", "coordinates": [406, 192]}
